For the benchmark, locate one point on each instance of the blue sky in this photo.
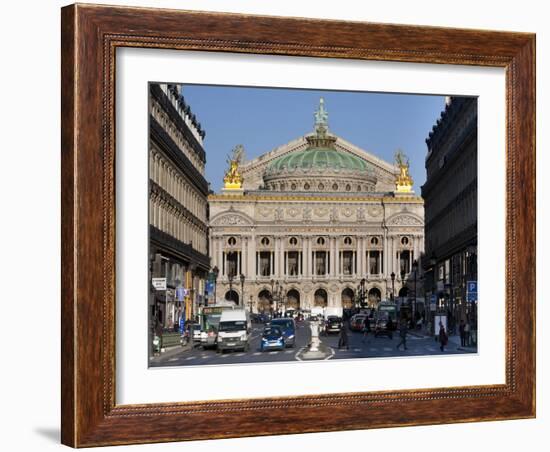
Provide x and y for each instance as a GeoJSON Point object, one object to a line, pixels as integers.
{"type": "Point", "coordinates": [262, 119]}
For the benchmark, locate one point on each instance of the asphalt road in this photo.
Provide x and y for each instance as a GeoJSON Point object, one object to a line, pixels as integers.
{"type": "Point", "coordinates": [359, 347]}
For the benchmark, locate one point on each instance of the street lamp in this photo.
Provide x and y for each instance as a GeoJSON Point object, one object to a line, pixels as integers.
{"type": "Point", "coordinates": [242, 287]}
{"type": "Point", "coordinates": [216, 272]}
{"type": "Point", "coordinates": [251, 303]}
{"type": "Point", "coordinates": [362, 283]}
{"type": "Point", "coordinates": [392, 286]}
{"type": "Point", "coordinates": [272, 294]}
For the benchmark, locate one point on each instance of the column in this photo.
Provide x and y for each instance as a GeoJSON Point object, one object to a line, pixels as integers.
{"type": "Point", "coordinates": [358, 261]}
{"type": "Point", "coordinates": [386, 250]}
{"type": "Point", "coordinates": [364, 261]}
{"type": "Point", "coordinates": [337, 259]}
{"type": "Point", "coordinates": [368, 263]}
{"type": "Point", "coordinates": [251, 253]}
{"type": "Point", "coordinates": [244, 256]}
{"type": "Point", "coordinates": [304, 258]}
{"type": "Point", "coordinates": [281, 256]}
{"type": "Point", "coordinates": [272, 262]}
{"type": "Point", "coordinates": [220, 254]}
{"type": "Point", "coordinates": [314, 269]}
{"type": "Point", "coordinates": [330, 263]}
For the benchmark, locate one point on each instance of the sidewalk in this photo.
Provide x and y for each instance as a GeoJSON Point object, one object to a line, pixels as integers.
{"type": "Point", "coordinates": [171, 351]}
{"type": "Point", "coordinates": [454, 340]}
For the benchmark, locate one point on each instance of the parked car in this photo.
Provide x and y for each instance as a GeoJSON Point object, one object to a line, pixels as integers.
{"type": "Point", "coordinates": [195, 333]}
{"type": "Point", "coordinates": [384, 326]}
{"type": "Point", "coordinates": [357, 322]}
{"type": "Point", "coordinates": [333, 324]}
{"type": "Point", "coordinates": [272, 339]}
{"type": "Point", "coordinates": [288, 328]}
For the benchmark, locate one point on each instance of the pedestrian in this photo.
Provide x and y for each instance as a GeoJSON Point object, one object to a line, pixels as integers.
{"type": "Point", "coordinates": [443, 339]}
{"type": "Point", "coordinates": [343, 339]}
{"type": "Point", "coordinates": [467, 334]}
{"type": "Point", "coordinates": [462, 331]}
{"type": "Point", "coordinates": [402, 334]}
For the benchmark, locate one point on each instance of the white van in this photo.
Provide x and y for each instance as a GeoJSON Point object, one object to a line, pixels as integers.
{"type": "Point", "coordinates": [234, 330]}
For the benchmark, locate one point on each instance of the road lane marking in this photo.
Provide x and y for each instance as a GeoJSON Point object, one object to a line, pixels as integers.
{"type": "Point", "coordinates": [257, 353]}
{"type": "Point", "coordinates": [173, 359]}
{"type": "Point", "coordinates": [190, 357]}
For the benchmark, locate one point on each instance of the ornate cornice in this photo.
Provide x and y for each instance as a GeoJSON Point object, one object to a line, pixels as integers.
{"type": "Point", "coordinates": [160, 96]}
{"type": "Point", "coordinates": [168, 147]}
{"type": "Point", "coordinates": [276, 196]}
{"type": "Point", "coordinates": [156, 190]}
{"type": "Point", "coordinates": [178, 248]}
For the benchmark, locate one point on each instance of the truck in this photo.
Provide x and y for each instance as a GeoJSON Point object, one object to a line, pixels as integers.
{"type": "Point", "coordinates": [209, 319]}
{"type": "Point", "coordinates": [234, 330]}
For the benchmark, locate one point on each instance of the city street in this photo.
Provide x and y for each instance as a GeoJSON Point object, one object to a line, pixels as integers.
{"type": "Point", "coordinates": [359, 347]}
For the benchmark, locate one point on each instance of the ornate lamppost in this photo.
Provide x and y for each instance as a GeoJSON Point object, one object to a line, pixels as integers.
{"type": "Point", "coordinates": [362, 284]}
{"type": "Point", "coordinates": [272, 295]}
{"type": "Point", "coordinates": [242, 287]}
{"type": "Point", "coordinates": [392, 286]}
{"type": "Point", "coordinates": [216, 272]}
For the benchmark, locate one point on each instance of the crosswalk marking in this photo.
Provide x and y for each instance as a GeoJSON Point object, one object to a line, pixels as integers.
{"type": "Point", "coordinates": [190, 357]}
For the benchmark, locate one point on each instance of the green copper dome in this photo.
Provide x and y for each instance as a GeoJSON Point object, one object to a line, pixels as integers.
{"type": "Point", "coordinates": [318, 159]}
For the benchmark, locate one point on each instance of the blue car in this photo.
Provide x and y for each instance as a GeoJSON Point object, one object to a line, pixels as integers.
{"type": "Point", "coordinates": [272, 339]}
{"type": "Point", "coordinates": [289, 330]}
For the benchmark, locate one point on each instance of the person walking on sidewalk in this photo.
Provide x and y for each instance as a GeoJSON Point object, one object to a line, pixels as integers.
{"type": "Point", "coordinates": [461, 330]}
{"type": "Point", "coordinates": [443, 339]}
{"type": "Point", "coordinates": [343, 339]}
{"type": "Point", "coordinates": [402, 334]}
{"type": "Point", "coordinates": [467, 334]}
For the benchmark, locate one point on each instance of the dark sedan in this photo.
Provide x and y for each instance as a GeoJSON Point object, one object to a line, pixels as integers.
{"type": "Point", "coordinates": [333, 324]}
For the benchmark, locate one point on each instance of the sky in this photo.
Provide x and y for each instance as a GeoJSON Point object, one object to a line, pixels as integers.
{"type": "Point", "coordinates": [262, 119]}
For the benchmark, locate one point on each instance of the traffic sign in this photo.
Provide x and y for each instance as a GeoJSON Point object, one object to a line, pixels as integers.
{"type": "Point", "coordinates": [159, 283]}
{"type": "Point", "coordinates": [471, 287]}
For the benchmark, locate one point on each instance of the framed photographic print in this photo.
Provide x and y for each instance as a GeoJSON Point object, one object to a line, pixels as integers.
{"type": "Point", "coordinates": [265, 218]}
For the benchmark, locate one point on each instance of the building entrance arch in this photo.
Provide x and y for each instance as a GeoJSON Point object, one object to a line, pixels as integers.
{"type": "Point", "coordinates": [374, 296]}
{"type": "Point", "coordinates": [264, 300]}
{"type": "Point", "coordinates": [292, 299]}
{"type": "Point", "coordinates": [320, 298]}
{"type": "Point", "coordinates": [347, 298]}
{"type": "Point", "coordinates": [233, 296]}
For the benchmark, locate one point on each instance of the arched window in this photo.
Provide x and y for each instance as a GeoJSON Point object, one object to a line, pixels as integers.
{"type": "Point", "coordinates": [404, 240]}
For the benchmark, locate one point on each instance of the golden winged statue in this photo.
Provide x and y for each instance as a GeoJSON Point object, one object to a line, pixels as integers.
{"type": "Point", "coordinates": [404, 182]}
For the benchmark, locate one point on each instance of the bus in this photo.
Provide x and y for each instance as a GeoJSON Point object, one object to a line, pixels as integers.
{"type": "Point", "coordinates": [209, 319]}
{"type": "Point", "coordinates": [387, 309]}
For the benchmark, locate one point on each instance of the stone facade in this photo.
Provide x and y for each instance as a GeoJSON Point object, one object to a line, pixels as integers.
{"type": "Point", "coordinates": [304, 225]}
{"type": "Point", "coordinates": [178, 229]}
{"type": "Point", "coordinates": [450, 195]}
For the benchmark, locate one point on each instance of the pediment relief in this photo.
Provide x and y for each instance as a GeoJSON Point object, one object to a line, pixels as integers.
{"type": "Point", "coordinates": [405, 220]}
{"type": "Point", "coordinates": [231, 219]}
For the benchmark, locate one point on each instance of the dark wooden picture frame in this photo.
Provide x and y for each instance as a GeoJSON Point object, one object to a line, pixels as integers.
{"type": "Point", "coordinates": [90, 37]}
